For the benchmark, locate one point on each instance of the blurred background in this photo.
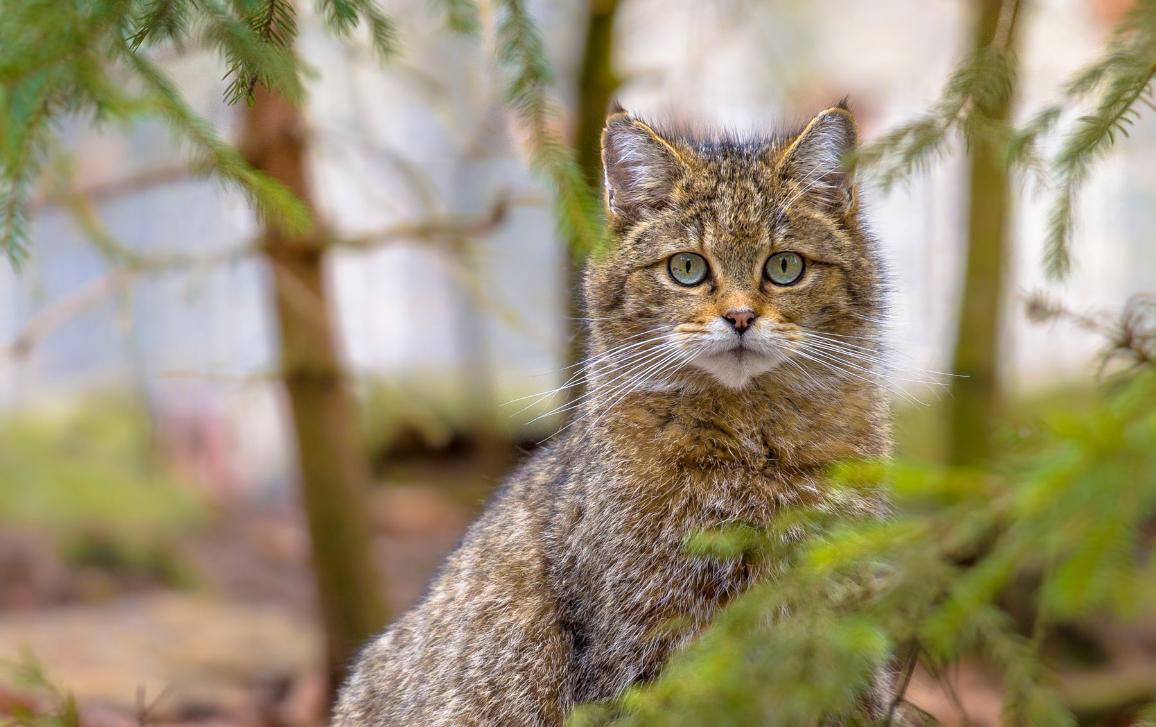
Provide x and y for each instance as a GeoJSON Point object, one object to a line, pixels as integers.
{"type": "Point", "coordinates": [155, 557]}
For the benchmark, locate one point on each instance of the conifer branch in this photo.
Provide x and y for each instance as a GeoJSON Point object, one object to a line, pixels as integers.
{"type": "Point", "coordinates": [529, 77]}
{"type": "Point", "coordinates": [273, 202]}
{"type": "Point", "coordinates": [1128, 81]}
{"type": "Point", "coordinates": [61, 57]}
{"type": "Point", "coordinates": [25, 128]}
{"type": "Point", "coordinates": [160, 20]}
{"type": "Point", "coordinates": [461, 15]}
{"type": "Point", "coordinates": [342, 16]}
{"type": "Point", "coordinates": [982, 82]}
{"type": "Point", "coordinates": [257, 47]}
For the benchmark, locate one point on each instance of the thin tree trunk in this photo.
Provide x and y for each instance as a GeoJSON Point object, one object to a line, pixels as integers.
{"type": "Point", "coordinates": [975, 395]}
{"type": "Point", "coordinates": [333, 471]}
{"type": "Point", "coordinates": [596, 86]}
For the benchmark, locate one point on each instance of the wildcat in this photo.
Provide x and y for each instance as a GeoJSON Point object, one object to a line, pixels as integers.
{"type": "Point", "coordinates": [731, 334]}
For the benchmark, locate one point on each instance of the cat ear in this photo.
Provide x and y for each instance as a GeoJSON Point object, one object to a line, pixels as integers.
{"type": "Point", "coordinates": [641, 168]}
{"type": "Point", "coordinates": [815, 160]}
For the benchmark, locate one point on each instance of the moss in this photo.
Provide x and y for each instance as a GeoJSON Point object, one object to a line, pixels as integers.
{"type": "Point", "coordinates": [90, 465]}
{"type": "Point", "coordinates": [154, 560]}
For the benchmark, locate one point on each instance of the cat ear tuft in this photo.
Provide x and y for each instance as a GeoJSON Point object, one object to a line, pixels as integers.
{"type": "Point", "coordinates": [641, 168]}
{"type": "Point", "coordinates": [816, 159]}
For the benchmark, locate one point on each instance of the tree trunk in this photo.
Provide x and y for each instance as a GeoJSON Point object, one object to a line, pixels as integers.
{"type": "Point", "coordinates": [596, 86]}
{"type": "Point", "coordinates": [333, 470]}
{"type": "Point", "coordinates": [975, 395]}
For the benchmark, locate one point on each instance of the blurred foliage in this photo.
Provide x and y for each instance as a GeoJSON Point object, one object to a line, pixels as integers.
{"type": "Point", "coordinates": [62, 59]}
{"type": "Point", "coordinates": [149, 558]}
{"type": "Point", "coordinates": [1067, 509]}
{"type": "Point", "coordinates": [520, 52]}
{"type": "Point", "coordinates": [90, 466]}
{"type": "Point", "coordinates": [921, 430]}
{"type": "Point", "coordinates": [412, 413]}
{"type": "Point", "coordinates": [398, 416]}
{"type": "Point", "coordinates": [54, 707]}
{"type": "Point", "coordinates": [98, 60]}
{"type": "Point", "coordinates": [1116, 87]}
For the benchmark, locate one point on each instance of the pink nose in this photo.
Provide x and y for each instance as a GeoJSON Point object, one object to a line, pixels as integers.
{"type": "Point", "coordinates": [740, 320]}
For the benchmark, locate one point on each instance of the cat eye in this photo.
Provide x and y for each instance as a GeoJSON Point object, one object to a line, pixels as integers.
{"type": "Point", "coordinates": [688, 268]}
{"type": "Point", "coordinates": [784, 268]}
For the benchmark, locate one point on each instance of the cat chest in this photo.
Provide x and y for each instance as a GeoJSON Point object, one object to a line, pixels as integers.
{"type": "Point", "coordinates": [635, 593]}
{"type": "Point", "coordinates": [638, 554]}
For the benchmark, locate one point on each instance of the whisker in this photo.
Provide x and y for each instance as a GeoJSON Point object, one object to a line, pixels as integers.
{"type": "Point", "coordinates": [810, 378]}
{"type": "Point", "coordinates": [619, 348]}
{"type": "Point", "coordinates": [579, 376]}
{"type": "Point", "coordinates": [871, 354]}
{"type": "Point", "coordinates": [671, 363]}
{"type": "Point", "coordinates": [865, 355]}
{"type": "Point", "coordinates": [811, 181]}
{"type": "Point", "coordinates": [877, 320]}
{"type": "Point", "coordinates": [623, 379]}
{"type": "Point", "coordinates": [824, 337]}
{"type": "Point", "coordinates": [667, 364]}
{"type": "Point", "coordinates": [648, 357]}
{"type": "Point", "coordinates": [877, 339]}
{"type": "Point", "coordinates": [565, 427]}
{"type": "Point", "coordinates": [848, 364]}
{"type": "Point", "coordinates": [841, 367]}
{"type": "Point", "coordinates": [877, 361]}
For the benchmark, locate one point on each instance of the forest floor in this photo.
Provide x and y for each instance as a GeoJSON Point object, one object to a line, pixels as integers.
{"type": "Point", "coordinates": [225, 634]}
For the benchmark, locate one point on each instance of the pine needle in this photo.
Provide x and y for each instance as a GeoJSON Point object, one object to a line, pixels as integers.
{"type": "Point", "coordinates": [257, 47]}
{"type": "Point", "coordinates": [529, 78]}
{"type": "Point", "coordinates": [461, 15]}
{"type": "Point", "coordinates": [343, 16]}
{"type": "Point", "coordinates": [274, 203]}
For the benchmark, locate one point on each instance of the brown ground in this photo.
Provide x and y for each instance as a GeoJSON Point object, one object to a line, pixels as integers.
{"type": "Point", "coordinates": [237, 646]}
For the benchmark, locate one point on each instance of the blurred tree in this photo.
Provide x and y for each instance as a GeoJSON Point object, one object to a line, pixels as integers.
{"type": "Point", "coordinates": [100, 65]}
{"type": "Point", "coordinates": [974, 401]}
{"type": "Point", "coordinates": [975, 106]}
{"type": "Point", "coordinates": [332, 463]}
{"type": "Point", "coordinates": [596, 87]}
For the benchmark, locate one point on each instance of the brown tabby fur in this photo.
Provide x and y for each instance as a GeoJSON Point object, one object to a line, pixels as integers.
{"type": "Point", "coordinates": [565, 589]}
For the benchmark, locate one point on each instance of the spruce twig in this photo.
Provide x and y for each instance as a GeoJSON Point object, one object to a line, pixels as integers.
{"type": "Point", "coordinates": [529, 77]}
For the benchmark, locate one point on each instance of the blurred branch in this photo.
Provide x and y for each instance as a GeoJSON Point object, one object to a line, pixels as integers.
{"type": "Point", "coordinates": [529, 76]}
{"type": "Point", "coordinates": [1118, 86]}
{"type": "Point", "coordinates": [451, 230]}
{"type": "Point", "coordinates": [63, 311]}
{"type": "Point", "coordinates": [971, 105]}
{"type": "Point", "coordinates": [1122, 83]}
{"type": "Point", "coordinates": [104, 191]}
{"type": "Point", "coordinates": [1095, 697]}
{"type": "Point", "coordinates": [1129, 335]}
{"type": "Point", "coordinates": [131, 264]}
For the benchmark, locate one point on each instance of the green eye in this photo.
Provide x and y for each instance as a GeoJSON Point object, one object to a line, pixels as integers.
{"type": "Point", "coordinates": [688, 268]}
{"type": "Point", "coordinates": [784, 268]}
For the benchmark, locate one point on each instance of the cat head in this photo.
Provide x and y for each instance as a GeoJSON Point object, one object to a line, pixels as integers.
{"type": "Point", "coordinates": [732, 258]}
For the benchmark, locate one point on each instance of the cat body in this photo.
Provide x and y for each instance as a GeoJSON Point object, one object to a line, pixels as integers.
{"type": "Point", "coordinates": [714, 397]}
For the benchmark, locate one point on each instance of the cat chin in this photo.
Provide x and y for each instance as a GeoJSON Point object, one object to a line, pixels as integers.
{"type": "Point", "coordinates": [735, 369]}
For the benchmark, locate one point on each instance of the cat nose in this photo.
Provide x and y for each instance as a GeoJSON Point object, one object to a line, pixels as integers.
{"type": "Point", "coordinates": [740, 320]}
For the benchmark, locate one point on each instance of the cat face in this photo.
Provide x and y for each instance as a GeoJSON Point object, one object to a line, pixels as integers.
{"type": "Point", "coordinates": [734, 259]}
